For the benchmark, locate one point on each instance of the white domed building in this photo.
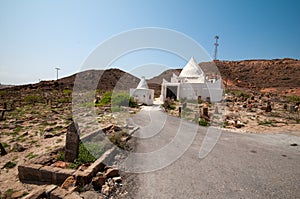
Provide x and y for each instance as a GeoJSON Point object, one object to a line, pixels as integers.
{"type": "Point", "coordinates": [191, 83]}
{"type": "Point", "coordinates": [142, 94]}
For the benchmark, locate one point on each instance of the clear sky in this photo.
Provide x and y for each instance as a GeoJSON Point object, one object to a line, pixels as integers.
{"type": "Point", "coordinates": [37, 36]}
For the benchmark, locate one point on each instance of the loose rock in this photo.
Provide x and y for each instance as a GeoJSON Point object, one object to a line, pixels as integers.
{"type": "Point", "coordinates": [112, 172]}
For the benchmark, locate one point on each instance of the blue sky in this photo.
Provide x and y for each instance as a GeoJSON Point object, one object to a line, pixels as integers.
{"type": "Point", "coordinates": [37, 36]}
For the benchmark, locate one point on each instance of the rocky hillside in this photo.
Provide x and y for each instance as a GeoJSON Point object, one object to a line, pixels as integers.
{"type": "Point", "coordinates": [108, 79]}
{"type": "Point", "coordinates": [262, 73]}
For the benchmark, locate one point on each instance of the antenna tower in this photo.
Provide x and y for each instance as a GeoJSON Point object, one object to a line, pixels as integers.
{"type": "Point", "coordinates": [216, 47]}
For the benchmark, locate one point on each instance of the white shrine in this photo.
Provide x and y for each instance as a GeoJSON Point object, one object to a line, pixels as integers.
{"type": "Point", "coordinates": [142, 94]}
{"type": "Point", "coordinates": [191, 83]}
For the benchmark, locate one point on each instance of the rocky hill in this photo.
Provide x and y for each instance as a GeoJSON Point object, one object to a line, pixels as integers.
{"type": "Point", "coordinates": [262, 73]}
{"type": "Point", "coordinates": [108, 79]}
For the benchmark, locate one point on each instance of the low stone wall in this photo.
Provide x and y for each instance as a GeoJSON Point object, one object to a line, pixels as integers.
{"type": "Point", "coordinates": [36, 173]}
{"type": "Point", "coordinates": [39, 174]}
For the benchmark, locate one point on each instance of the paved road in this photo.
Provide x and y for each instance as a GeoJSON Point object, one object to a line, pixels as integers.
{"type": "Point", "coordinates": [239, 166]}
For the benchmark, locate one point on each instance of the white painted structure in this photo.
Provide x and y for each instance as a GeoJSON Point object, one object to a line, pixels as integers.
{"type": "Point", "coordinates": [142, 94]}
{"type": "Point", "coordinates": [191, 83]}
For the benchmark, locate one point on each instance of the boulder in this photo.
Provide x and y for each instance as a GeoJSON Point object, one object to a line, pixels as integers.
{"type": "Point", "coordinates": [106, 190]}
{"type": "Point", "coordinates": [17, 194]}
{"type": "Point", "coordinates": [112, 172]}
{"type": "Point", "coordinates": [98, 181]}
{"type": "Point", "coordinates": [18, 147]}
{"type": "Point", "coordinates": [60, 164]}
{"type": "Point", "coordinates": [48, 135]}
{"type": "Point", "coordinates": [117, 179]}
{"type": "Point", "coordinates": [69, 184]}
{"type": "Point", "coordinates": [89, 195]}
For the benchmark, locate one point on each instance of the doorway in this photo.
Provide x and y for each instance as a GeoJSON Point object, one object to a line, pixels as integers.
{"type": "Point", "coordinates": [172, 92]}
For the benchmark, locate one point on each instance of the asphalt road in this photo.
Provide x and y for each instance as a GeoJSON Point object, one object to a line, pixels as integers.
{"type": "Point", "coordinates": [241, 165]}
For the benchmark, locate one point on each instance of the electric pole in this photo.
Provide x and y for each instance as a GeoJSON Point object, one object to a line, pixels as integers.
{"type": "Point", "coordinates": [57, 69]}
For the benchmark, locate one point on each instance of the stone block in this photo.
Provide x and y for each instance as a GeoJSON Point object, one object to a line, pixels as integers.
{"type": "Point", "coordinates": [58, 193]}
{"type": "Point", "coordinates": [61, 175]}
{"type": "Point", "coordinates": [29, 173]}
{"type": "Point", "coordinates": [47, 174]}
{"type": "Point", "coordinates": [83, 177]}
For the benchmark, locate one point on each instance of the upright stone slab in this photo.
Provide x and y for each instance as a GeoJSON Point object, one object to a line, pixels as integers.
{"type": "Point", "coordinates": [269, 107]}
{"type": "Point", "coordinates": [72, 143]}
{"type": "Point", "coordinates": [199, 100]}
{"type": "Point", "coordinates": [205, 111]}
{"type": "Point", "coordinates": [208, 100]}
{"type": "Point", "coordinates": [2, 150]}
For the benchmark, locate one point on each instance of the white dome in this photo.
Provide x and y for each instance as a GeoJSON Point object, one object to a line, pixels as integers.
{"type": "Point", "coordinates": [143, 84]}
{"type": "Point", "coordinates": [191, 69]}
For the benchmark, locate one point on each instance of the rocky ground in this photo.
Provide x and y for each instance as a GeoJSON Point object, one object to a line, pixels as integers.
{"type": "Point", "coordinates": [246, 112]}
{"type": "Point", "coordinates": [34, 125]}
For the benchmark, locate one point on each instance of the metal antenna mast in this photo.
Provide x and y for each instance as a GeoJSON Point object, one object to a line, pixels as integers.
{"type": "Point", "coordinates": [57, 69]}
{"type": "Point", "coordinates": [216, 47]}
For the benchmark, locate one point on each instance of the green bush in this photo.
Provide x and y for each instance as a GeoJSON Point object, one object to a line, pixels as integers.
{"type": "Point", "coordinates": [84, 156]}
{"type": "Point", "coordinates": [106, 98]}
{"type": "Point", "coordinates": [294, 98]}
{"type": "Point", "coordinates": [67, 92]}
{"type": "Point", "coordinates": [169, 105]}
{"type": "Point", "coordinates": [32, 99]}
{"type": "Point", "coordinates": [10, 165]}
{"type": "Point", "coordinates": [31, 155]}
{"type": "Point", "coordinates": [241, 94]}
{"type": "Point", "coordinates": [122, 99]}
{"type": "Point", "coordinates": [117, 99]}
{"type": "Point", "coordinates": [203, 122]}
{"type": "Point", "coordinates": [117, 139]}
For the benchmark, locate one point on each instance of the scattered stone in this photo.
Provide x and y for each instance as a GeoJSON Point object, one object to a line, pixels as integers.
{"type": "Point", "coordinates": [83, 167]}
{"type": "Point", "coordinates": [117, 179]}
{"type": "Point", "coordinates": [17, 194]}
{"type": "Point", "coordinates": [238, 124]}
{"type": "Point", "coordinates": [40, 191]}
{"type": "Point", "coordinates": [48, 135]}
{"type": "Point", "coordinates": [24, 134]}
{"type": "Point", "coordinates": [73, 195]}
{"type": "Point", "coordinates": [112, 172]}
{"type": "Point", "coordinates": [106, 190]}
{"type": "Point", "coordinates": [60, 164]}
{"type": "Point", "coordinates": [89, 195]}
{"type": "Point", "coordinates": [49, 189]}
{"type": "Point", "coordinates": [98, 181]}
{"type": "Point", "coordinates": [58, 193]}
{"type": "Point", "coordinates": [48, 129]}
{"type": "Point", "coordinates": [69, 183]}
{"type": "Point", "coordinates": [18, 147]}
